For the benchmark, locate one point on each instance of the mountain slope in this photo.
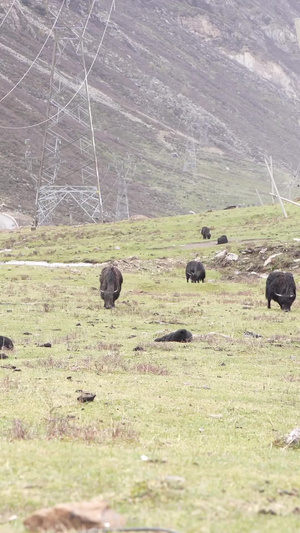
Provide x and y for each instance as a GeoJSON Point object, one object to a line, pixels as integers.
{"type": "Point", "coordinates": [197, 92]}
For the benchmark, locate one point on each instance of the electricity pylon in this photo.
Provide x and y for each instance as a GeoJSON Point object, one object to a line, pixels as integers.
{"type": "Point", "coordinates": [69, 174]}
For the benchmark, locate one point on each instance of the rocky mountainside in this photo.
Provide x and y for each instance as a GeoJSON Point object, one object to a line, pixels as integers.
{"type": "Point", "coordinates": [194, 92]}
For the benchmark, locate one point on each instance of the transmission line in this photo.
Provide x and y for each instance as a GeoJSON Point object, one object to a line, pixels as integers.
{"type": "Point", "coordinates": [38, 55]}
{"type": "Point", "coordinates": [79, 88]}
{"type": "Point", "coordinates": [8, 12]}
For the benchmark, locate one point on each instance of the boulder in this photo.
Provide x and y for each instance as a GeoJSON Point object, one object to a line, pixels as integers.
{"type": "Point", "coordinates": [78, 515]}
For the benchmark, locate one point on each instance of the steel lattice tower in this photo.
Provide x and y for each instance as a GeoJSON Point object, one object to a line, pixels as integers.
{"type": "Point", "coordinates": [68, 174]}
{"type": "Point", "coordinates": [190, 158]}
{"type": "Point", "coordinates": [122, 209]}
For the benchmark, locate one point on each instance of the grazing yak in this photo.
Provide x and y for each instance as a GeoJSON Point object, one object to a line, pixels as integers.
{"type": "Point", "coordinates": [222, 240]}
{"type": "Point", "coordinates": [205, 232]}
{"type": "Point", "coordinates": [195, 271]}
{"type": "Point", "coordinates": [7, 343]}
{"type": "Point", "coordinates": [111, 281]}
{"type": "Point", "coordinates": [281, 288]}
{"type": "Point", "coordinates": [180, 335]}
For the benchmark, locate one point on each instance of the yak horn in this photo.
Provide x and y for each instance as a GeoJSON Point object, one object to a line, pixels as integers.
{"type": "Point", "coordinates": [106, 291]}
{"type": "Point", "coordinates": [277, 294]}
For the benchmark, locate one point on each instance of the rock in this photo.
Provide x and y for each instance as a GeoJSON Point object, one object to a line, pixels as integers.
{"type": "Point", "coordinates": [270, 259]}
{"type": "Point", "coordinates": [139, 349]}
{"type": "Point", "coordinates": [225, 257]}
{"type": "Point", "coordinates": [293, 437]}
{"type": "Point", "coordinates": [78, 515]}
{"type": "Point", "coordinates": [86, 397]}
{"type": "Point", "coordinates": [252, 334]}
{"type": "Point", "coordinates": [221, 255]}
{"type": "Point", "coordinates": [231, 257]}
{"type": "Point", "coordinates": [174, 482]}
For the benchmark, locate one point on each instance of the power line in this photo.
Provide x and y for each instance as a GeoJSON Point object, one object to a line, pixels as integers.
{"type": "Point", "coordinates": [79, 88]}
{"type": "Point", "coordinates": [8, 12]}
{"type": "Point", "coordinates": [38, 55]}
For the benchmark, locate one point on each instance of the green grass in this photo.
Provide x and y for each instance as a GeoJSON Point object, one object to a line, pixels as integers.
{"type": "Point", "coordinates": [208, 411]}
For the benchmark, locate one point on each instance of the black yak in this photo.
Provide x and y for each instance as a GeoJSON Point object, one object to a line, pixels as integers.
{"type": "Point", "coordinates": [205, 232]}
{"type": "Point", "coordinates": [195, 271]}
{"type": "Point", "coordinates": [281, 288]}
{"type": "Point", "coordinates": [222, 240]}
{"type": "Point", "coordinates": [180, 335]}
{"type": "Point", "coordinates": [7, 343]}
{"type": "Point", "coordinates": [111, 281]}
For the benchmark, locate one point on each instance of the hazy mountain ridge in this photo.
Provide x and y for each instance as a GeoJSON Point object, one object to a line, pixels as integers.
{"type": "Point", "coordinates": [223, 78]}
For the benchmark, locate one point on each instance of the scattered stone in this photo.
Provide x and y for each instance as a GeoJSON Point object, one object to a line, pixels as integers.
{"type": "Point", "coordinates": [224, 257]}
{"type": "Point", "coordinates": [293, 437]}
{"type": "Point", "coordinates": [232, 257]}
{"type": "Point", "coordinates": [3, 356]}
{"type": "Point", "coordinates": [78, 324]}
{"type": "Point", "coordinates": [221, 255]}
{"type": "Point", "coordinates": [138, 349]}
{"type": "Point", "coordinates": [174, 482]}
{"type": "Point", "coordinates": [252, 334]}
{"type": "Point", "coordinates": [270, 259]}
{"type": "Point", "coordinates": [27, 333]}
{"type": "Point", "coordinates": [45, 345]}
{"type": "Point", "coordinates": [9, 367]}
{"type": "Point", "coordinates": [79, 516]}
{"type": "Point", "coordinates": [86, 397]}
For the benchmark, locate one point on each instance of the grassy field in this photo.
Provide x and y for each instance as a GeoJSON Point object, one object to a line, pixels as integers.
{"type": "Point", "coordinates": [206, 413]}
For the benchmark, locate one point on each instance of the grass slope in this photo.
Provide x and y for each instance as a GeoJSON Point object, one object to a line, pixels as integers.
{"type": "Point", "coordinates": [205, 413]}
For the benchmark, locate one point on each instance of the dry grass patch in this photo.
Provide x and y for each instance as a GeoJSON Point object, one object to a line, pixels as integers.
{"type": "Point", "coordinates": [148, 368]}
{"type": "Point", "coordinates": [110, 364]}
{"type": "Point", "coordinates": [7, 384]}
{"type": "Point", "coordinates": [20, 431]}
{"type": "Point", "coordinates": [66, 428]}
